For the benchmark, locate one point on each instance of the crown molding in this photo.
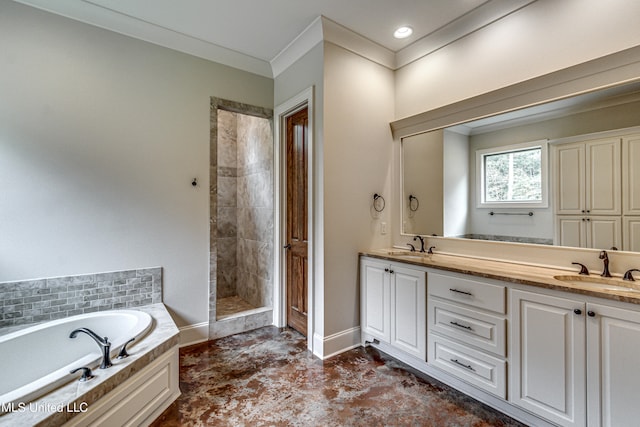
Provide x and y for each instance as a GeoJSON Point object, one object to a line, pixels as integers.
{"type": "Point", "coordinates": [111, 20]}
{"type": "Point", "coordinates": [476, 19]}
{"type": "Point", "coordinates": [354, 42]}
{"type": "Point", "coordinates": [321, 29]}
{"type": "Point", "coordinates": [303, 43]}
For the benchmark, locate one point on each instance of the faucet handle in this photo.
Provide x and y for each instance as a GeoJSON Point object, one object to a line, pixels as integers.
{"type": "Point", "coordinates": [123, 351]}
{"type": "Point", "coordinates": [430, 251]}
{"type": "Point", "coordinates": [628, 275]}
{"type": "Point", "coordinates": [413, 248]}
{"type": "Point", "coordinates": [583, 268]}
{"type": "Point", "coordinates": [86, 373]}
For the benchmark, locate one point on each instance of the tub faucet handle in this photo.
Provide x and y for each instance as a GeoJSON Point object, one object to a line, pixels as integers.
{"type": "Point", "coordinates": [86, 373]}
{"type": "Point", "coordinates": [123, 351]}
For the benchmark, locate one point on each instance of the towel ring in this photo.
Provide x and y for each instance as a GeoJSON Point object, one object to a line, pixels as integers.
{"type": "Point", "coordinates": [411, 204]}
{"type": "Point", "coordinates": [377, 197]}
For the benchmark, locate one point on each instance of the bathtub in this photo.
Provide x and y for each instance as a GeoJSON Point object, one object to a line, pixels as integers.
{"type": "Point", "coordinates": [38, 359]}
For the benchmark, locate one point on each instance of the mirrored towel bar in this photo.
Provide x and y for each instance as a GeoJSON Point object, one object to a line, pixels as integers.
{"type": "Point", "coordinates": [511, 213]}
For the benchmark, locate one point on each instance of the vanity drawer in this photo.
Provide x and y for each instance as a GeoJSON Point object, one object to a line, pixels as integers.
{"type": "Point", "coordinates": [482, 330]}
{"type": "Point", "coordinates": [475, 367]}
{"type": "Point", "coordinates": [479, 294]}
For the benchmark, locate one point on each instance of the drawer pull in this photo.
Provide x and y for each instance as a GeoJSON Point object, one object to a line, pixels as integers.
{"type": "Point", "coordinates": [469, 328]}
{"type": "Point", "coordinates": [457, 362]}
{"type": "Point", "coordinates": [460, 292]}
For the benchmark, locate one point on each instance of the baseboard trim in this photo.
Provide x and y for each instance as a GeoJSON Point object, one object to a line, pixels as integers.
{"type": "Point", "coordinates": [331, 345]}
{"type": "Point", "coordinates": [194, 334]}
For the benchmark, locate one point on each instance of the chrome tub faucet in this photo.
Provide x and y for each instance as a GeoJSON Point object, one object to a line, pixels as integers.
{"type": "Point", "coordinates": [103, 343]}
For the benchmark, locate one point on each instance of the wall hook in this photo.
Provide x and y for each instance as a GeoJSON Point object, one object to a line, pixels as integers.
{"type": "Point", "coordinates": [194, 182]}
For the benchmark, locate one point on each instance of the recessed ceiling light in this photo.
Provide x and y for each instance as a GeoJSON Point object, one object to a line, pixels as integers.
{"type": "Point", "coordinates": [403, 32]}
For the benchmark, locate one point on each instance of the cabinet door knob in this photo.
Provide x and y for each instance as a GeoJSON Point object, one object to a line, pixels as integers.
{"type": "Point", "coordinates": [386, 270]}
{"type": "Point", "coordinates": [391, 271]}
{"type": "Point", "coordinates": [577, 311]}
{"type": "Point", "coordinates": [591, 313]}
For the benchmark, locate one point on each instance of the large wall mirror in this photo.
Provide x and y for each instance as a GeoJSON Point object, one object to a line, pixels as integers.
{"type": "Point", "coordinates": [559, 173]}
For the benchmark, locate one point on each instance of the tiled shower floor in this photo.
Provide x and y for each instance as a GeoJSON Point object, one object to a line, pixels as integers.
{"type": "Point", "coordinates": [267, 377]}
{"type": "Point", "coordinates": [227, 307]}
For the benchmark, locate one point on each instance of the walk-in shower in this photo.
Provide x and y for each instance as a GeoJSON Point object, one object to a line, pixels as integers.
{"type": "Point", "coordinates": [241, 218]}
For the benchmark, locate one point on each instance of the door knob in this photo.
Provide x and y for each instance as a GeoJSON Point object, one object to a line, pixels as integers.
{"type": "Point", "coordinates": [287, 246]}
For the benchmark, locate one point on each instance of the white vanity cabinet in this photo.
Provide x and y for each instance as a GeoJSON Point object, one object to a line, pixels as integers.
{"type": "Point", "coordinates": [548, 360]}
{"type": "Point", "coordinates": [393, 305]}
{"type": "Point", "coordinates": [613, 373]}
{"type": "Point", "coordinates": [467, 329]}
{"type": "Point", "coordinates": [574, 362]}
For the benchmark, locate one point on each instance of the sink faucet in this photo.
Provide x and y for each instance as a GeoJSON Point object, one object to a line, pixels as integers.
{"type": "Point", "coordinates": [628, 275]}
{"type": "Point", "coordinates": [605, 258]}
{"type": "Point", "coordinates": [421, 242]}
{"type": "Point", "coordinates": [104, 344]}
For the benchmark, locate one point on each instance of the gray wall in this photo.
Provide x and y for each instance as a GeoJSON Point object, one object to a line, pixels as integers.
{"type": "Point", "coordinates": [100, 138]}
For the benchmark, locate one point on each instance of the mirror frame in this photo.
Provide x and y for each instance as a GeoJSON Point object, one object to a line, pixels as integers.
{"type": "Point", "coordinates": [609, 71]}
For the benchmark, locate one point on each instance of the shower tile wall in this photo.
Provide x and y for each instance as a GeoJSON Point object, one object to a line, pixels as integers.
{"type": "Point", "coordinates": [255, 210]}
{"type": "Point", "coordinates": [227, 205]}
{"type": "Point", "coordinates": [244, 208]}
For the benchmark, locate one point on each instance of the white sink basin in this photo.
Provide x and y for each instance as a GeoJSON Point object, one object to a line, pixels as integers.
{"type": "Point", "coordinates": [599, 283]}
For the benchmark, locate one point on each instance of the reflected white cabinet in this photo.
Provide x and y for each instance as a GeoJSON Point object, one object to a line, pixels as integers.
{"type": "Point", "coordinates": [588, 178]}
{"type": "Point", "coordinates": [393, 305]}
{"type": "Point", "coordinates": [613, 377]}
{"type": "Point", "coordinates": [588, 194]}
{"type": "Point", "coordinates": [631, 192]}
{"type": "Point", "coordinates": [631, 174]}
{"type": "Point", "coordinates": [601, 232]}
{"type": "Point", "coordinates": [548, 360]}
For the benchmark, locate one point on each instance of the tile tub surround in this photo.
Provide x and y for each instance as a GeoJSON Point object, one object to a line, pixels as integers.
{"type": "Point", "coordinates": [267, 377]}
{"type": "Point", "coordinates": [159, 340]}
{"type": "Point", "coordinates": [33, 301]}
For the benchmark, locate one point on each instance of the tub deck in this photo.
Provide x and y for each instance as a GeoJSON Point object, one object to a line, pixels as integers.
{"type": "Point", "coordinates": [61, 405]}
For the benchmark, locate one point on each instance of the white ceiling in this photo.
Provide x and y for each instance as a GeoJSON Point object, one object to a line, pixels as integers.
{"type": "Point", "coordinates": [248, 34]}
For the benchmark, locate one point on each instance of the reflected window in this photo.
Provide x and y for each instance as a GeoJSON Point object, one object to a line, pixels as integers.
{"type": "Point", "coordinates": [513, 175]}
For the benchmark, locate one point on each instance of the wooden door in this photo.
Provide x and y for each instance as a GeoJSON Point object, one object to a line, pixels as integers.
{"type": "Point", "coordinates": [297, 216]}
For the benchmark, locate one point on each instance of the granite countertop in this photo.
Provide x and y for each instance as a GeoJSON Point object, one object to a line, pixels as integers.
{"type": "Point", "coordinates": [593, 285]}
{"type": "Point", "coordinates": [162, 337]}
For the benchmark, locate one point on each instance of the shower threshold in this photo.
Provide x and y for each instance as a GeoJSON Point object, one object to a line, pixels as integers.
{"type": "Point", "coordinates": [234, 306]}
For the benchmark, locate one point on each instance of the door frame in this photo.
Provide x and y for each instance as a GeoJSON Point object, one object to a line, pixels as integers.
{"type": "Point", "coordinates": [284, 110]}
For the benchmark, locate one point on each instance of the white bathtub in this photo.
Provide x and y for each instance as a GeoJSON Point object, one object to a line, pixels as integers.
{"type": "Point", "coordinates": [38, 359]}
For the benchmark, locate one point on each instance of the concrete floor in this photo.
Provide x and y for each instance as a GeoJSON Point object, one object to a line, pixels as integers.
{"type": "Point", "coordinates": [267, 377]}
